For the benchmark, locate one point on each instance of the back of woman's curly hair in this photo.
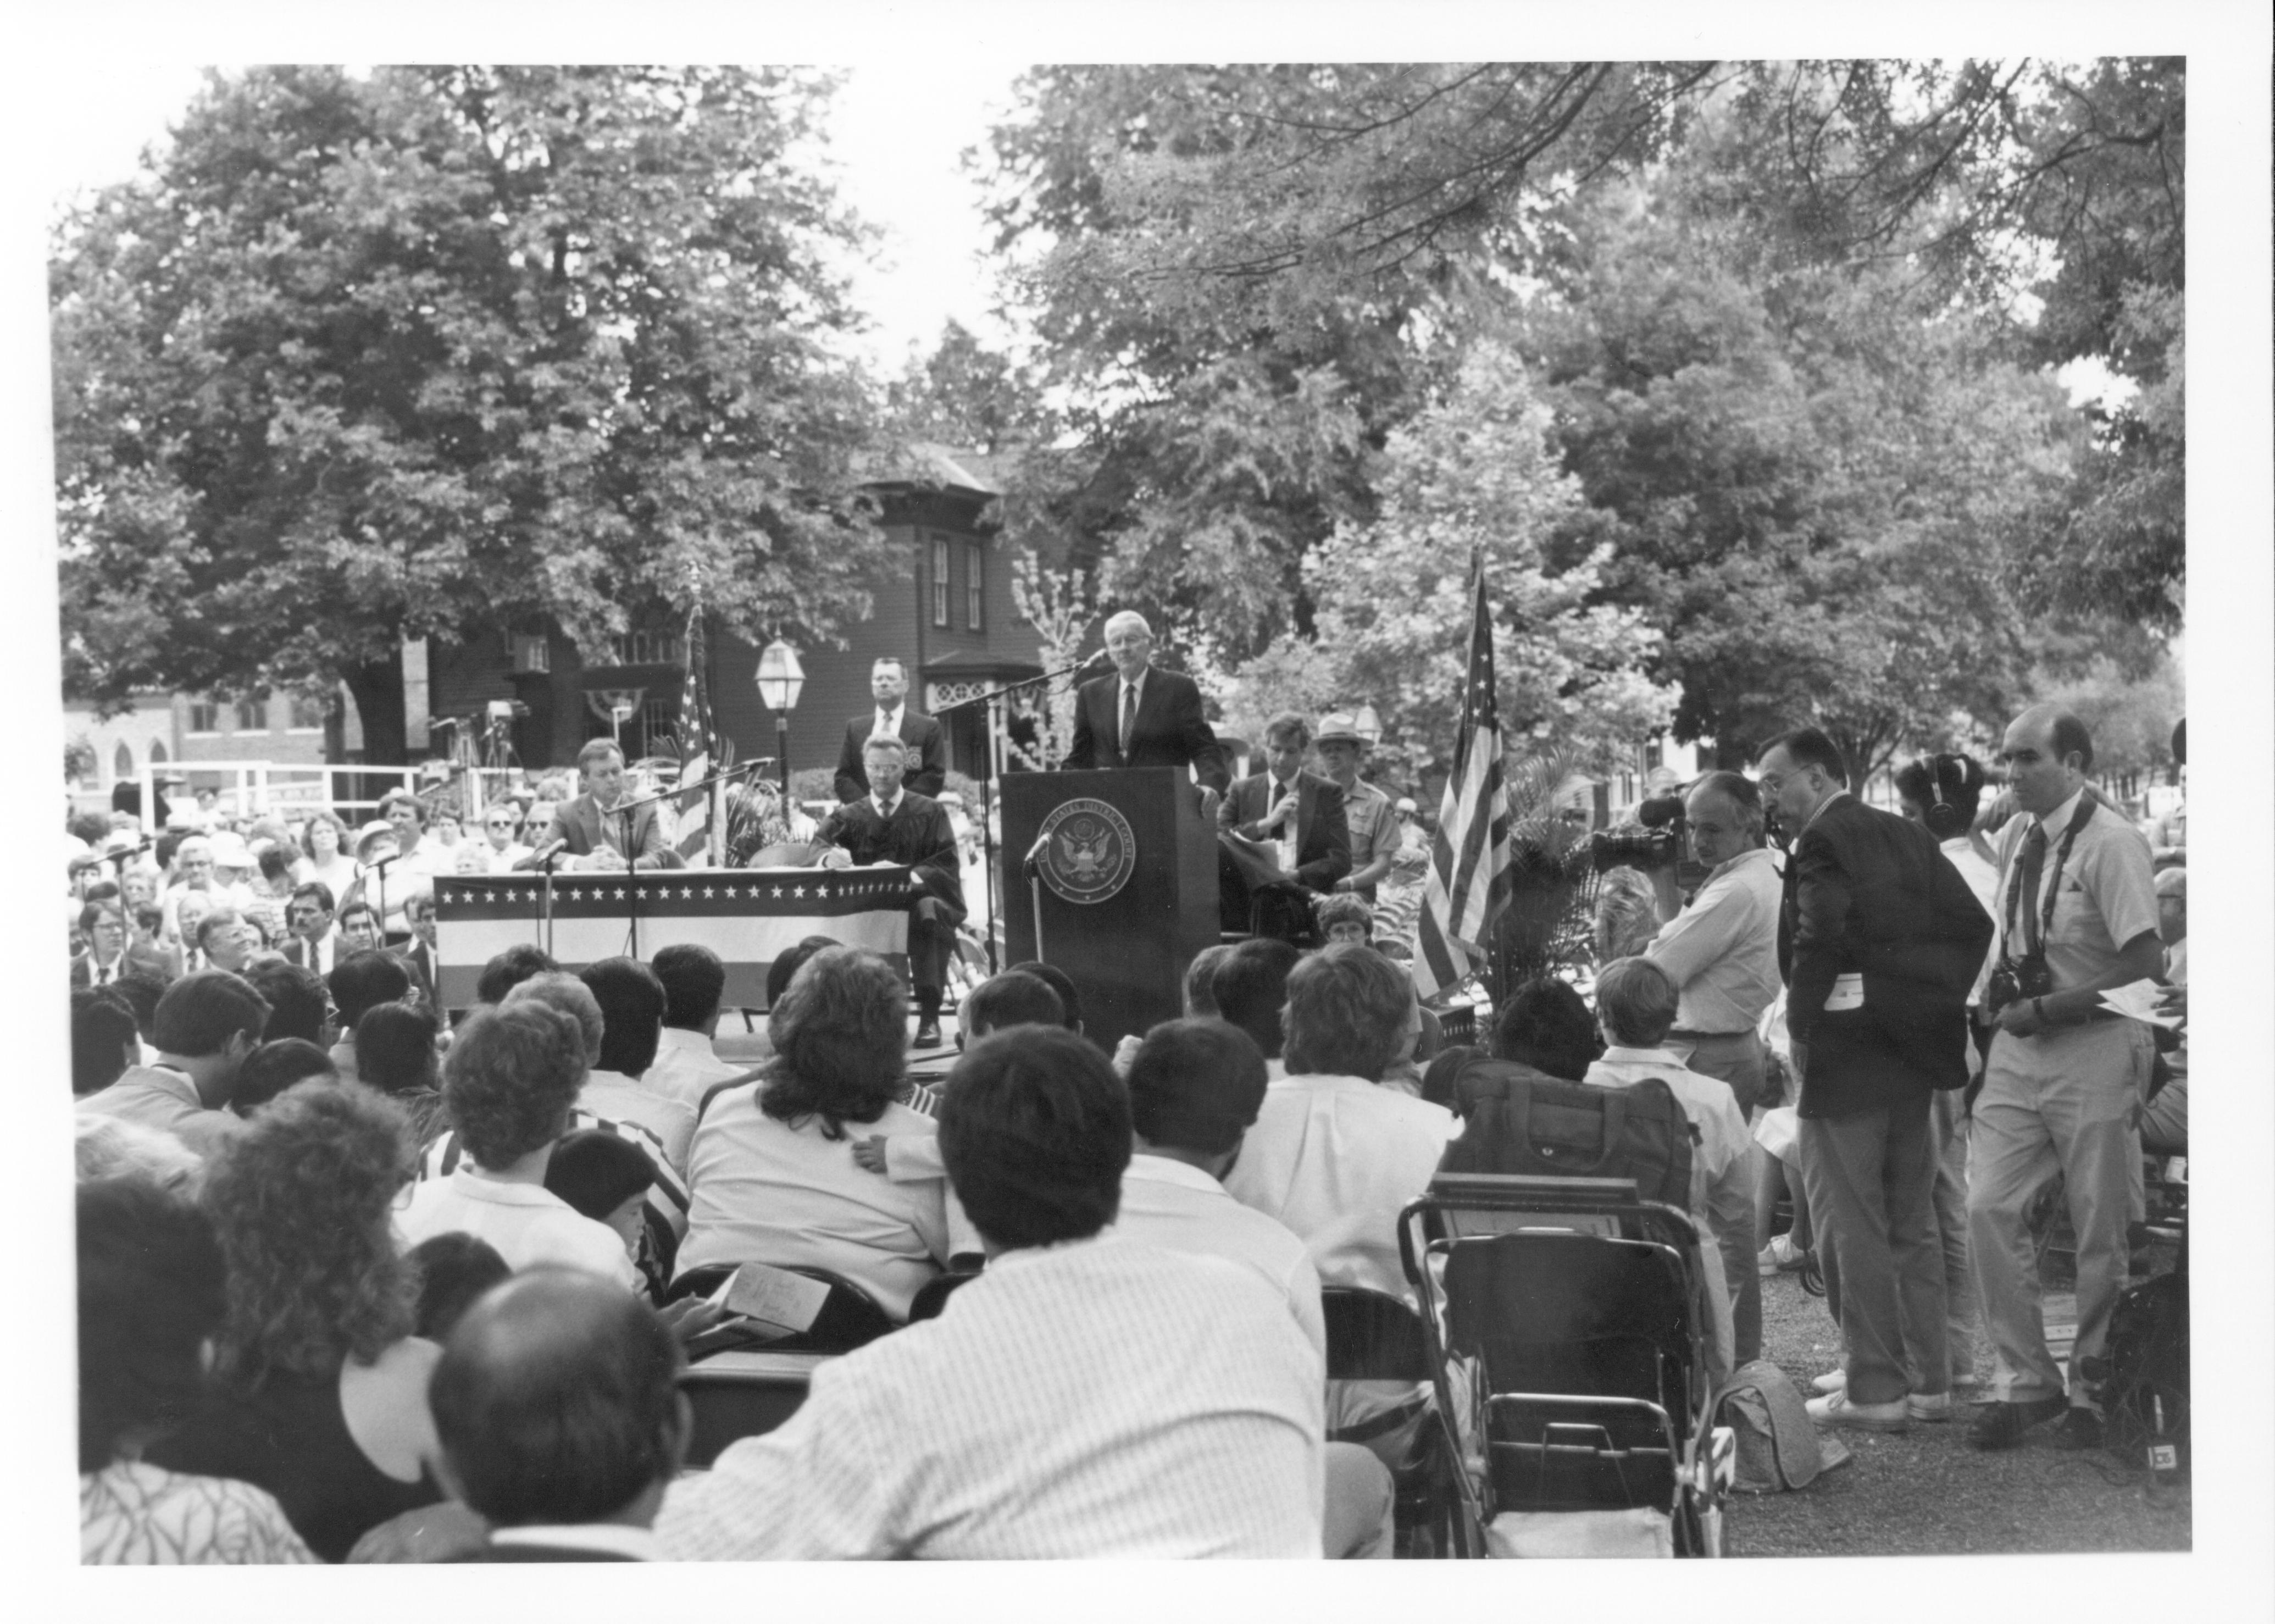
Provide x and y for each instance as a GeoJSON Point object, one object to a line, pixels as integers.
{"type": "Point", "coordinates": [300, 1200]}
{"type": "Point", "coordinates": [841, 1042]}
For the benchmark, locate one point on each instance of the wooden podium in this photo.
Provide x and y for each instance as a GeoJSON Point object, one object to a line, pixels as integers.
{"type": "Point", "coordinates": [1122, 923]}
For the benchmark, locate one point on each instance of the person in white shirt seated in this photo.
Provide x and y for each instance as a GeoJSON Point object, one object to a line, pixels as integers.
{"type": "Point", "coordinates": [557, 1405]}
{"type": "Point", "coordinates": [1636, 1003]}
{"type": "Point", "coordinates": [772, 1174]}
{"type": "Point", "coordinates": [686, 1066]}
{"type": "Point", "coordinates": [619, 1004]}
{"type": "Point", "coordinates": [1336, 1156]}
{"type": "Point", "coordinates": [608, 1092]}
{"type": "Point", "coordinates": [1195, 1086]}
{"type": "Point", "coordinates": [508, 1082]}
{"type": "Point", "coordinates": [1250, 986]}
{"type": "Point", "coordinates": [1088, 1395]}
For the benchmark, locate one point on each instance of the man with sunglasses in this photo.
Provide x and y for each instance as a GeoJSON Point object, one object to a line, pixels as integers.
{"type": "Point", "coordinates": [501, 827]}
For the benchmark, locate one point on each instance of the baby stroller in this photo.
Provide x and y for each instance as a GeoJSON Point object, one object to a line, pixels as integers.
{"type": "Point", "coordinates": [1565, 1322]}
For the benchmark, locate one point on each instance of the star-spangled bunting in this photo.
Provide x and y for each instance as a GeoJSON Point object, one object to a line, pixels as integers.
{"type": "Point", "coordinates": [1469, 876]}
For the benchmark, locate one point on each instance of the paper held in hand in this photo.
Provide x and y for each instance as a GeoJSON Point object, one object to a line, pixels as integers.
{"type": "Point", "coordinates": [1258, 860]}
{"type": "Point", "coordinates": [774, 1297]}
{"type": "Point", "coordinates": [2138, 1001]}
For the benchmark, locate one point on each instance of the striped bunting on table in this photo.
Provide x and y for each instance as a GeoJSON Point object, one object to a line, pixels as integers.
{"type": "Point", "coordinates": [747, 916]}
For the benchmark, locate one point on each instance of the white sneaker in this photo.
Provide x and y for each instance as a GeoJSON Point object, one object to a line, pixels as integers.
{"type": "Point", "coordinates": [1779, 1257]}
{"type": "Point", "coordinates": [1832, 1381]}
{"type": "Point", "coordinates": [1834, 1410]}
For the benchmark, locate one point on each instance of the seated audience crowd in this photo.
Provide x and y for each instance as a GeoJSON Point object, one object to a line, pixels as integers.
{"type": "Point", "coordinates": [358, 1283]}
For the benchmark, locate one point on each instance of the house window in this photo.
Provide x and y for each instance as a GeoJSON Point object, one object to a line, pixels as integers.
{"type": "Point", "coordinates": [975, 582]}
{"type": "Point", "coordinates": [205, 716]}
{"type": "Point", "coordinates": [649, 649]}
{"type": "Point", "coordinates": [659, 721]}
{"type": "Point", "coordinates": [253, 716]}
{"type": "Point", "coordinates": [122, 765]}
{"type": "Point", "coordinates": [940, 582]}
{"type": "Point", "coordinates": [307, 713]}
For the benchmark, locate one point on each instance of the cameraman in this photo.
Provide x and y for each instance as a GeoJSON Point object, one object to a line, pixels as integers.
{"type": "Point", "coordinates": [2077, 916]}
{"type": "Point", "coordinates": [1721, 950]}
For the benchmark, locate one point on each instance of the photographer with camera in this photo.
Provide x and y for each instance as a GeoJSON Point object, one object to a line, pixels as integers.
{"type": "Point", "coordinates": [2077, 916]}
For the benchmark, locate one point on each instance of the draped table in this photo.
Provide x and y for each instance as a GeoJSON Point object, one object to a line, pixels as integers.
{"type": "Point", "coordinates": [746, 916]}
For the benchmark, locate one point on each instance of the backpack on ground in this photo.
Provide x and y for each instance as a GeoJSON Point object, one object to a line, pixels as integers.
{"type": "Point", "coordinates": [1525, 1121]}
{"type": "Point", "coordinates": [2143, 1378]}
{"type": "Point", "coordinates": [1779, 1446]}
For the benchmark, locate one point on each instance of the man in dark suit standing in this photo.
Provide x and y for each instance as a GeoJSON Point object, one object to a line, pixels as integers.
{"type": "Point", "coordinates": [892, 824]}
{"type": "Point", "coordinates": [1142, 717]}
{"type": "Point", "coordinates": [590, 830]}
{"type": "Point", "coordinates": [1295, 810]}
{"type": "Point", "coordinates": [889, 685]}
{"type": "Point", "coordinates": [1879, 940]}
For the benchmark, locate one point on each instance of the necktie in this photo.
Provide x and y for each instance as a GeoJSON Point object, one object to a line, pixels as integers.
{"type": "Point", "coordinates": [2034, 863]}
{"type": "Point", "coordinates": [1129, 717]}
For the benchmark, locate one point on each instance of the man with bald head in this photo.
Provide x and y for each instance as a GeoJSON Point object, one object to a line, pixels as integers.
{"type": "Point", "coordinates": [557, 1405]}
{"type": "Point", "coordinates": [2077, 916]}
{"type": "Point", "coordinates": [1141, 717]}
{"type": "Point", "coordinates": [1720, 949]}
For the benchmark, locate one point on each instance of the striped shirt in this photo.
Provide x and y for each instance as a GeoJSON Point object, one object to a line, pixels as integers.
{"type": "Point", "coordinates": [1099, 1399]}
{"type": "Point", "coordinates": [667, 1197]}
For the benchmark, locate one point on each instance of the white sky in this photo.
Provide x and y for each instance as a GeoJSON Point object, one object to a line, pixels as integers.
{"type": "Point", "coordinates": [896, 131]}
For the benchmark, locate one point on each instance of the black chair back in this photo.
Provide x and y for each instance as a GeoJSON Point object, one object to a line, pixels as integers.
{"type": "Point", "coordinates": [932, 1296]}
{"type": "Point", "coordinates": [1372, 1336]}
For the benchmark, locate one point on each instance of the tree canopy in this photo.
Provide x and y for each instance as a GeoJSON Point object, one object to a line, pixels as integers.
{"type": "Point", "coordinates": [436, 350]}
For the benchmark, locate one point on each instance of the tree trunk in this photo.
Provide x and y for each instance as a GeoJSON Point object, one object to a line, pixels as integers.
{"type": "Point", "coordinates": [376, 688]}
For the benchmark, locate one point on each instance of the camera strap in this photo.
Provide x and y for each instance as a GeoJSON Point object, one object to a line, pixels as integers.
{"type": "Point", "coordinates": [2049, 887]}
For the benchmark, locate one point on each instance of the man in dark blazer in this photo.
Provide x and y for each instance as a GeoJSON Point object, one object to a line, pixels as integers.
{"type": "Point", "coordinates": [111, 952]}
{"type": "Point", "coordinates": [1879, 940]}
{"type": "Point", "coordinates": [589, 829]}
{"type": "Point", "coordinates": [558, 1365]}
{"type": "Point", "coordinates": [889, 685]}
{"type": "Point", "coordinates": [1284, 801]}
{"type": "Point", "coordinates": [1140, 716]}
{"type": "Point", "coordinates": [892, 824]}
{"type": "Point", "coordinates": [311, 943]}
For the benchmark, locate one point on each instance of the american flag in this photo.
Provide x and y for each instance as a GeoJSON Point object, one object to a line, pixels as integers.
{"type": "Point", "coordinates": [1469, 880]}
{"type": "Point", "coordinates": [699, 825]}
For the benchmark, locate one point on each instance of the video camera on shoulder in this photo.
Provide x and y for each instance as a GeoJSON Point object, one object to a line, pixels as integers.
{"type": "Point", "coordinates": [2016, 979]}
{"type": "Point", "coordinates": [1657, 845]}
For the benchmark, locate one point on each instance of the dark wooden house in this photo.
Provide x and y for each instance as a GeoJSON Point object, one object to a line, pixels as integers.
{"type": "Point", "coordinates": [943, 607]}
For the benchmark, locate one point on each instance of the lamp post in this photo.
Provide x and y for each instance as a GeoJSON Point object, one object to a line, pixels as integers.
{"type": "Point", "coordinates": [781, 680]}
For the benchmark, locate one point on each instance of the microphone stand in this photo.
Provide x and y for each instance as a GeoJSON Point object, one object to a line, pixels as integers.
{"type": "Point", "coordinates": [625, 808]}
{"type": "Point", "coordinates": [987, 788]}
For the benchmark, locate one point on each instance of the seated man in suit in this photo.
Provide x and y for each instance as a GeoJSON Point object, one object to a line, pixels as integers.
{"type": "Point", "coordinates": [590, 832]}
{"type": "Point", "coordinates": [889, 685]}
{"type": "Point", "coordinates": [1142, 717]}
{"type": "Point", "coordinates": [557, 1405]}
{"type": "Point", "coordinates": [1291, 808]}
{"type": "Point", "coordinates": [892, 824]}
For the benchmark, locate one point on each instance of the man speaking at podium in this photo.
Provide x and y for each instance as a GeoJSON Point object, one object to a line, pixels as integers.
{"type": "Point", "coordinates": [1142, 717]}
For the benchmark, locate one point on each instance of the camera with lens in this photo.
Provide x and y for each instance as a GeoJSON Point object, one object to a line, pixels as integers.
{"type": "Point", "coordinates": [2012, 981]}
{"type": "Point", "coordinates": [1657, 845]}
